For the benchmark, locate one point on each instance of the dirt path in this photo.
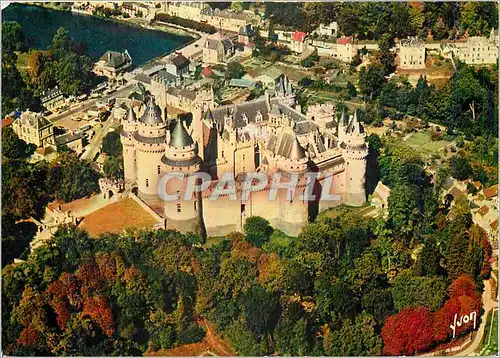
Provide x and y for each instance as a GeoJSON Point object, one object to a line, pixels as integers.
{"type": "Point", "coordinates": [218, 345]}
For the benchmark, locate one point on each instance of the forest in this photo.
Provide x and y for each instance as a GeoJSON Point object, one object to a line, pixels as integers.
{"type": "Point", "coordinates": [347, 285]}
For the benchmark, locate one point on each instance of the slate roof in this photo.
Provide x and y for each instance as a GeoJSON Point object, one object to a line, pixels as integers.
{"type": "Point", "coordinates": [68, 138]}
{"type": "Point", "coordinates": [34, 120]}
{"type": "Point", "coordinates": [152, 114]}
{"type": "Point", "coordinates": [115, 59]}
{"type": "Point", "coordinates": [131, 117]}
{"type": "Point", "coordinates": [180, 61]}
{"type": "Point", "coordinates": [182, 93]}
{"type": "Point", "coordinates": [180, 137]}
{"type": "Point", "coordinates": [50, 94]}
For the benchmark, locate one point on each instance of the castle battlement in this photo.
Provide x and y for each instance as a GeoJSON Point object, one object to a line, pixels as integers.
{"type": "Point", "coordinates": [267, 135]}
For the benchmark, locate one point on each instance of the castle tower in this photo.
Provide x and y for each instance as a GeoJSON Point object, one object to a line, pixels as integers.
{"type": "Point", "coordinates": [129, 125]}
{"type": "Point", "coordinates": [356, 151]}
{"type": "Point", "coordinates": [285, 93]}
{"type": "Point", "coordinates": [181, 155]}
{"type": "Point", "coordinates": [149, 146]}
{"type": "Point", "coordinates": [343, 123]}
{"type": "Point", "coordinates": [293, 213]}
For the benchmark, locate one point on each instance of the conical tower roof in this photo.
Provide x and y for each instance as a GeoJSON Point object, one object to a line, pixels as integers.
{"type": "Point", "coordinates": [297, 152]}
{"type": "Point", "coordinates": [180, 136]}
{"type": "Point", "coordinates": [131, 118]}
{"type": "Point", "coordinates": [152, 114]}
{"type": "Point", "coordinates": [344, 120]}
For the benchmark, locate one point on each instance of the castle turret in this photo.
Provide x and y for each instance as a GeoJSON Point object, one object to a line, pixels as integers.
{"type": "Point", "coordinates": [285, 93]}
{"type": "Point", "coordinates": [343, 123]}
{"type": "Point", "coordinates": [181, 155]}
{"type": "Point", "coordinates": [129, 128]}
{"type": "Point", "coordinates": [149, 145]}
{"type": "Point", "coordinates": [293, 211]}
{"type": "Point", "coordinates": [356, 151]}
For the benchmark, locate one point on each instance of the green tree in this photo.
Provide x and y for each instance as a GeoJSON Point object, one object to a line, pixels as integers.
{"type": "Point", "coordinates": [460, 168]}
{"type": "Point", "coordinates": [12, 36]}
{"type": "Point", "coordinates": [257, 230]}
{"type": "Point", "coordinates": [113, 168]}
{"type": "Point", "coordinates": [351, 90]}
{"type": "Point", "coordinates": [13, 147]}
{"type": "Point", "coordinates": [415, 291]}
{"type": "Point", "coordinates": [354, 339]}
{"type": "Point", "coordinates": [111, 144]}
{"type": "Point", "coordinates": [235, 70]}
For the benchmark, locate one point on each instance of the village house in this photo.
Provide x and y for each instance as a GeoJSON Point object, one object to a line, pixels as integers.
{"type": "Point", "coordinates": [52, 98]}
{"type": "Point", "coordinates": [178, 65]}
{"type": "Point", "coordinates": [190, 10]}
{"type": "Point", "coordinates": [298, 43]}
{"type": "Point", "coordinates": [245, 34]}
{"type": "Point", "coordinates": [34, 128]}
{"type": "Point", "coordinates": [411, 53]}
{"type": "Point", "coordinates": [345, 49]}
{"type": "Point", "coordinates": [332, 29]}
{"type": "Point", "coordinates": [112, 63]}
{"type": "Point", "coordinates": [476, 50]}
{"type": "Point", "coordinates": [217, 50]}
{"type": "Point", "coordinates": [72, 140]}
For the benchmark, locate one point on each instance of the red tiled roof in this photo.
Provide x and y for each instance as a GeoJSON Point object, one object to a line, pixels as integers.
{"type": "Point", "coordinates": [344, 40]}
{"type": "Point", "coordinates": [7, 122]}
{"type": "Point", "coordinates": [494, 224]}
{"type": "Point", "coordinates": [483, 211]}
{"type": "Point", "coordinates": [207, 72]}
{"type": "Point", "coordinates": [491, 192]}
{"type": "Point", "coordinates": [299, 36]}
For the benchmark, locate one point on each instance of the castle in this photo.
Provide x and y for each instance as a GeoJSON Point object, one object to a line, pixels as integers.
{"type": "Point", "coordinates": [266, 135]}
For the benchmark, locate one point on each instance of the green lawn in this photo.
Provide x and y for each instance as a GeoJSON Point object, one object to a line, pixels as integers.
{"type": "Point", "coordinates": [22, 61]}
{"type": "Point", "coordinates": [422, 142]}
{"type": "Point", "coordinates": [489, 344]}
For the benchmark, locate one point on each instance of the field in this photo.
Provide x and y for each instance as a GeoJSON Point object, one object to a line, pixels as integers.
{"type": "Point", "coordinates": [116, 217]}
{"type": "Point", "coordinates": [422, 143]}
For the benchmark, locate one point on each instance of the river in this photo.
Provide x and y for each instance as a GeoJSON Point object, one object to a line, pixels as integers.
{"type": "Point", "coordinates": [40, 25]}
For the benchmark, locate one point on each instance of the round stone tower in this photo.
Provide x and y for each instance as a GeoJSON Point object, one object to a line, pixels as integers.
{"type": "Point", "coordinates": [129, 128]}
{"type": "Point", "coordinates": [181, 155]}
{"type": "Point", "coordinates": [149, 145]}
{"type": "Point", "coordinates": [356, 151]}
{"type": "Point", "coordinates": [293, 212]}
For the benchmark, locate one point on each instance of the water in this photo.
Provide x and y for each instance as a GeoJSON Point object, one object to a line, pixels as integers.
{"type": "Point", "coordinates": [40, 25]}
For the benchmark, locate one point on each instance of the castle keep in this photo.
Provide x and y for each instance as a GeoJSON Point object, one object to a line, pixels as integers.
{"type": "Point", "coordinates": [267, 135]}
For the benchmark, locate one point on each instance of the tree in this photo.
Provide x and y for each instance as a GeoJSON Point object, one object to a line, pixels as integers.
{"type": "Point", "coordinates": [69, 178]}
{"type": "Point", "coordinates": [354, 339]}
{"type": "Point", "coordinates": [260, 309]}
{"type": "Point", "coordinates": [13, 147]}
{"type": "Point", "coordinates": [40, 71]}
{"type": "Point", "coordinates": [12, 36]}
{"type": "Point", "coordinates": [415, 291]}
{"type": "Point", "coordinates": [351, 90]}
{"type": "Point", "coordinates": [62, 44]}
{"type": "Point", "coordinates": [111, 144]}
{"type": "Point", "coordinates": [460, 168]}
{"type": "Point", "coordinates": [371, 80]}
{"type": "Point", "coordinates": [408, 332]}
{"type": "Point", "coordinates": [257, 230]}
{"type": "Point", "coordinates": [237, 6]}
{"type": "Point", "coordinates": [235, 70]}
{"type": "Point", "coordinates": [113, 168]}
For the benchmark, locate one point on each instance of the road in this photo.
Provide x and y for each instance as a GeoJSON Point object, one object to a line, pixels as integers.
{"type": "Point", "coordinates": [488, 305]}
{"type": "Point", "coordinates": [95, 143]}
{"type": "Point", "coordinates": [89, 104]}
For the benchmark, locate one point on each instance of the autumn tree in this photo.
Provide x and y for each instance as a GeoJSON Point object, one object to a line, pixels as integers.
{"type": "Point", "coordinates": [408, 332]}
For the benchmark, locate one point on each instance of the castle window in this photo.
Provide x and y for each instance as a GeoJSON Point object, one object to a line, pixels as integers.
{"type": "Point", "coordinates": [178, 208]}
{"type": "Point", "coordinates": [147, 183]}
{"type": "Point", "coordinates": [159, 169]}
{"type": "Point", "coordinates": [194, 205]}
{"type": "Point", "coordinates": [222, 154]}
{"type": "Point", "coordinates": [243, 156]}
